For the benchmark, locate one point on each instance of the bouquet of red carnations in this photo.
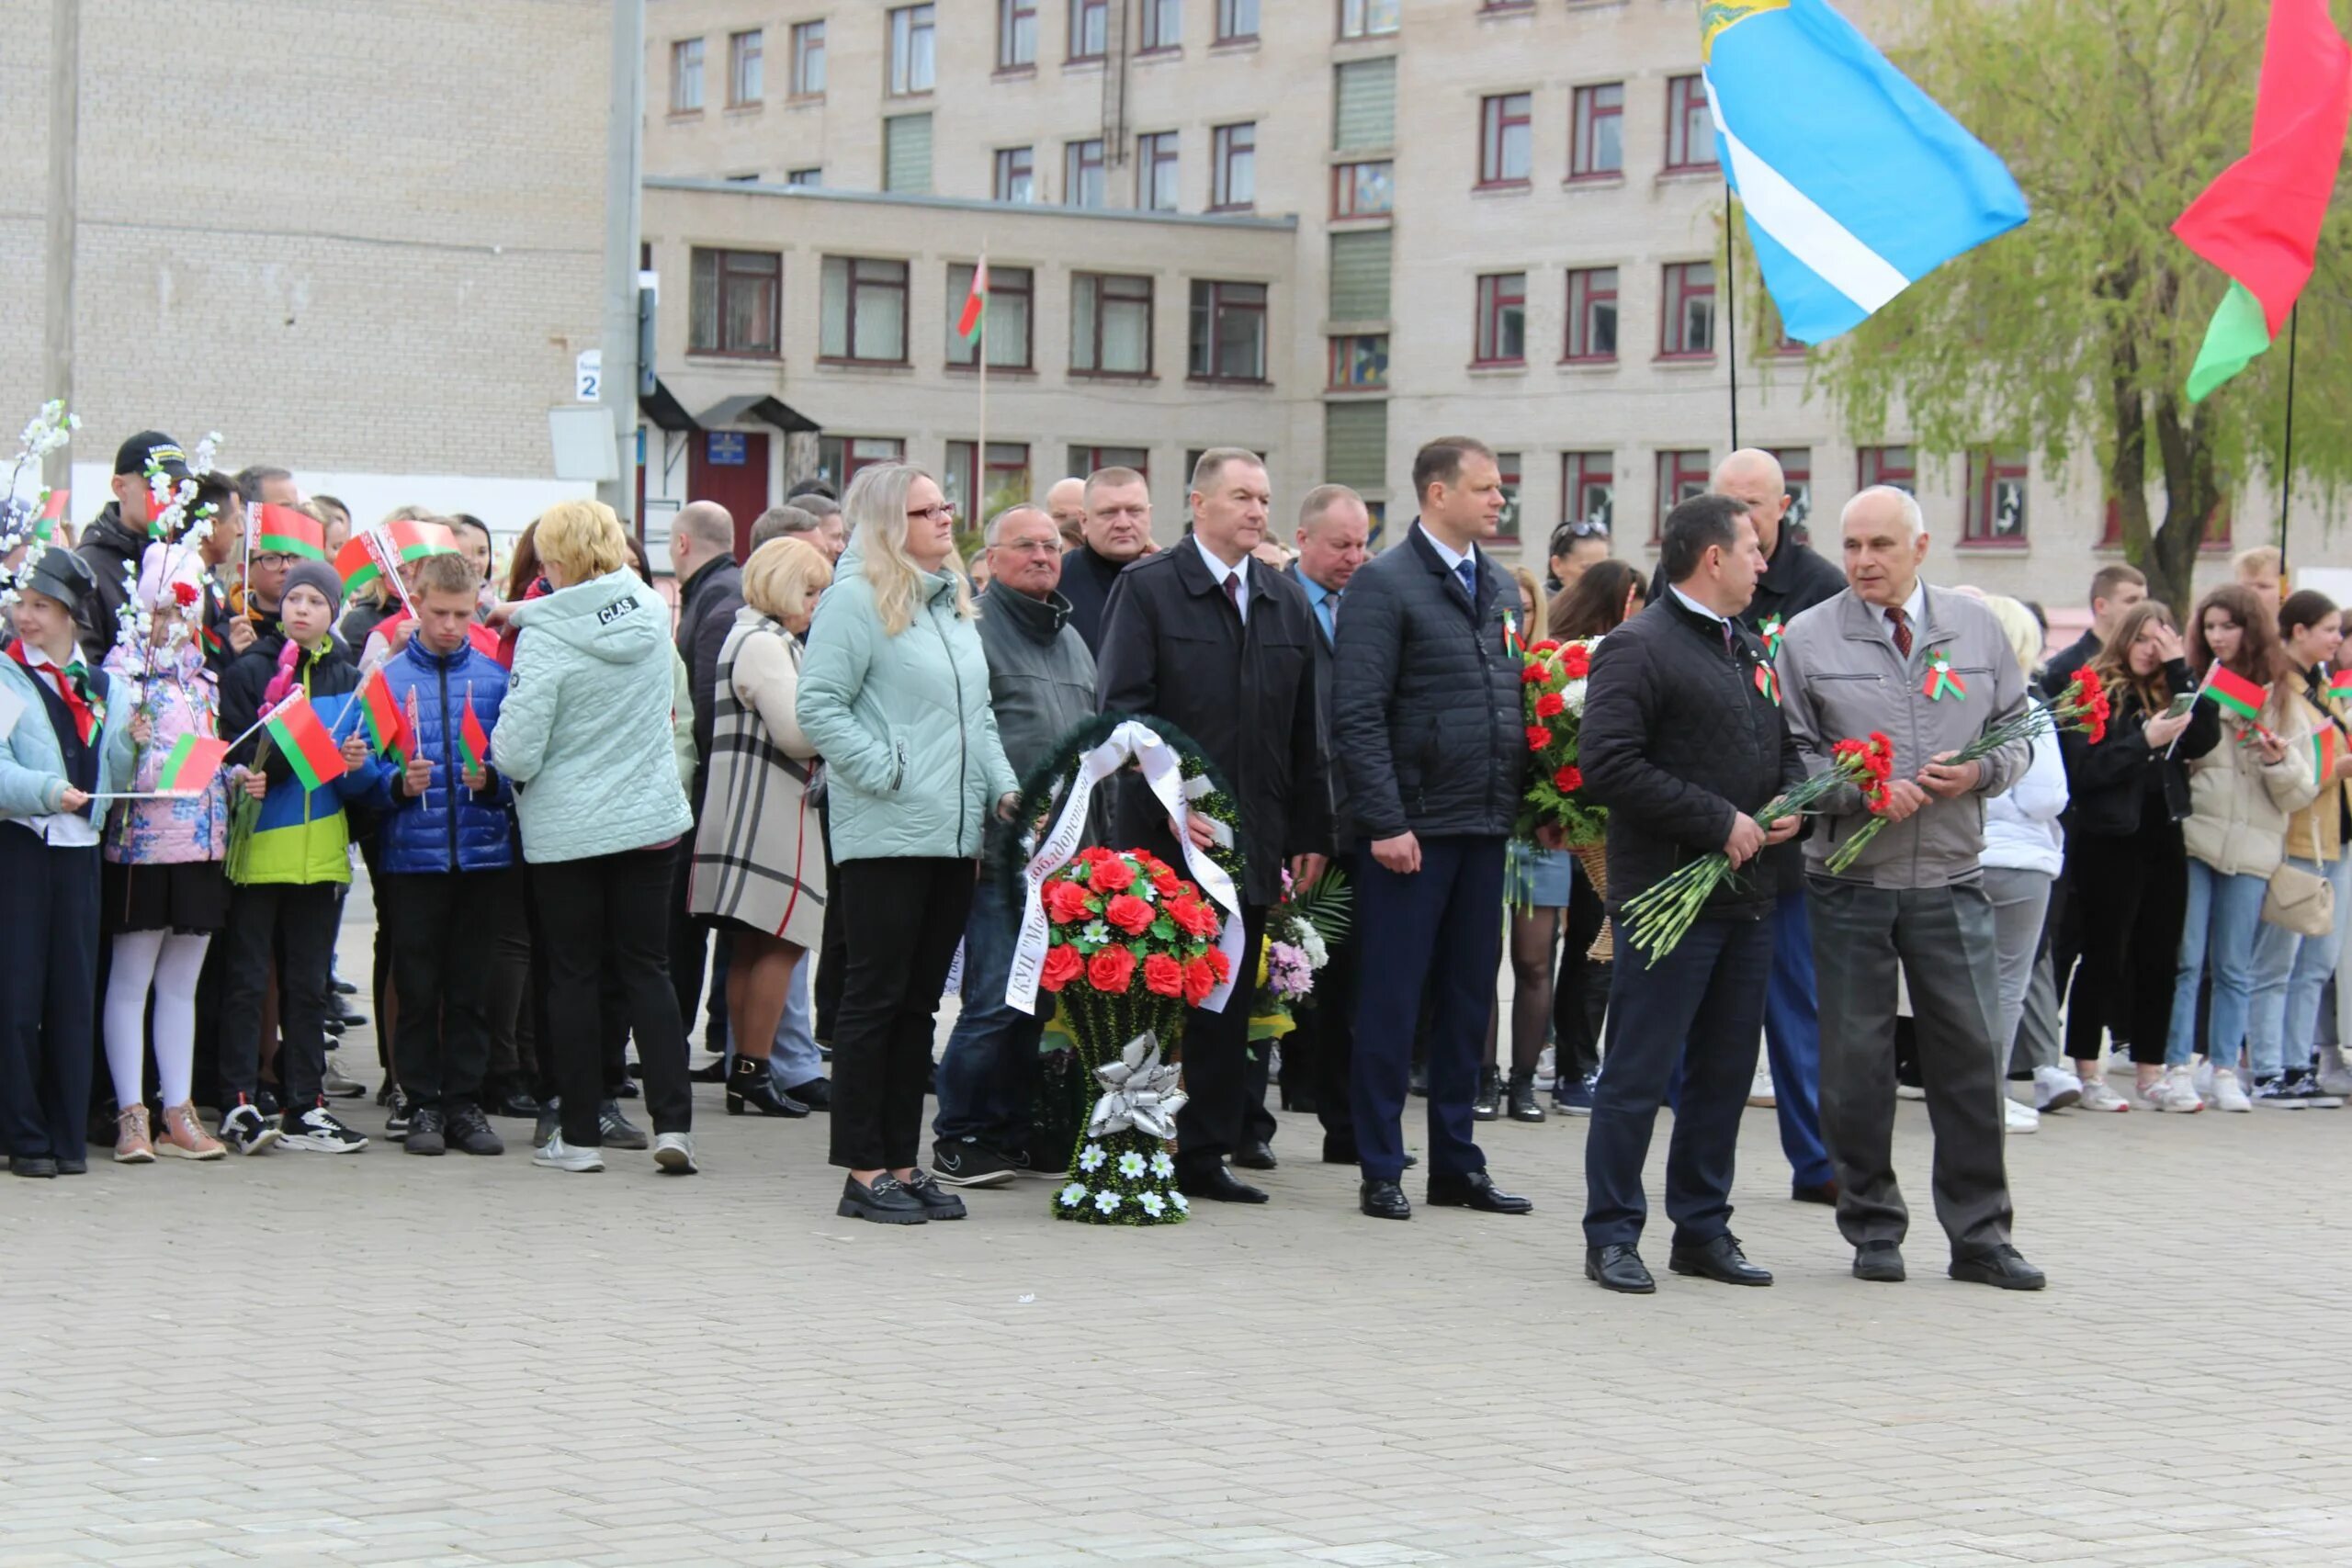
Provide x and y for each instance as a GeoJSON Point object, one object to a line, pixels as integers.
{"type": "Point", "coordinates": [1552, 691]}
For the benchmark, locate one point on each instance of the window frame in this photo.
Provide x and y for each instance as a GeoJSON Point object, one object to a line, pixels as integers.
{"type": "Point", "coordinates": [1081, 13]}
{"type": "Point", "coordinates": [1493, 302]}
{"type": "Point", "coordinates": [807, 60]}
{"type": "Point", "coordinates": [1012, 164]}
{"type": "Point", "coordinates": [852, 461]}
{"type": "Point", "coordinates": [1103, 295]}
{"type": "Point", "coordinates": [973, 471]}
{"type": "Point", "coordinates": [1496, 123]}
{"type": "Point", "coordinates": [1159, 153]}
{"type": "Point", "coordinates": [793, 180]}
{"type": "Point", "coordinates": [1586, 294]}
{"type": "Point", "coordinates": [1586, 114]}
{"type": "Point", "coordinates": [1677, 291]}
{"type": "Point", "coordinates": [1232, 146]}
{"type": "Point", "coordinates": [1508, 467]}
{"type": "Point", "coordinates": [1010, 15]}
{"type": "Point", "coordinates": [1229, 19]}
{"type": "Point", "coordinates": [1150, 14]}
{"type": "Point", "coordinates": [1986, 472]}
{"type": "Point", "coordinates": [1796, 483]}
{"type": "Point", "coordinates": [1672, 477]}
{"type": "Point", "coordinates": [900, 73]}
{"type": "Point", "coordinates": [1343, 189]}
{"type": "Point", "coordinates": [1008, 282]}
{"type": "Point", "coordinates": [1364, 28]}
{"type": "Point", "coordinates": [725, 279]}
{"type": "Point", "coordinates": [1214, 307]}
{"type": "Point", "coordinates": [746, 46]}
{"type": "Point", "coordinates": [1135, 457]}
{"type": "Point", "coordinates": [1872, 466]}
{"type": "Point", "coordinates": [1341, 351]}
{"type": "Point", "coordinates": [1076, 166]}
{"type": "Point", "coordinates": [855, 282]}
{"type": "Point", "coordinates": [1686, 102]}
{"type": "Point", "coordinates": [687, 60]}
{"type": "Point", "coordinates": [1579, 470]}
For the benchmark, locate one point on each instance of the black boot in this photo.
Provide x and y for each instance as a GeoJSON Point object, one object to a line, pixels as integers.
{"type": "Point", "coordinates": [1489, 1106]}
{"type": "Point", "coordinates": [1520, 1096]}
{"type": "Point", "coordinates": [749, 1086]}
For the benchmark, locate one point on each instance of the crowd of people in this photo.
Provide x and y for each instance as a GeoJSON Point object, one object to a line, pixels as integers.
{"type": "Point", "coordinates": [562, 790]}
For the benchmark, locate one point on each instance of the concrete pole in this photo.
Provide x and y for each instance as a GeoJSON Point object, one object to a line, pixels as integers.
{"type": "Point", "coordinates": [57, 263]}
{"type": "Point", "coordinates": [623, 152]}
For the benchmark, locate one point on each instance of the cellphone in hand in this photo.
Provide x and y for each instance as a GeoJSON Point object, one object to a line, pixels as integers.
{"type": "Point", "coordinates": [2181, 705]}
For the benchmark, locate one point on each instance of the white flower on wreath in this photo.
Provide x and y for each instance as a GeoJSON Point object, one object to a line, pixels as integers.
{"type": "Point", "coordinates": [1144, 890]}
{"type": "Point", "coordinates": [1091, 1159]}
{"type": "Point", "coordinates": [1162, 1165]}
{"type": "Point", "coordinates": [1096, 933]}
{"type": "Point", "coordinates": [1183, 1204]}
{"type": "Point", "coordinates": [1310, 941]}
{"type": "Point", "coordinates": [1153, 1204]}
{"type": "Point", "coordinates": [1106, 1200]}
{"type": "Point", "coordinates": [1131, 1164]}
{"type": "Point", "coordinates": [1072, 1195]}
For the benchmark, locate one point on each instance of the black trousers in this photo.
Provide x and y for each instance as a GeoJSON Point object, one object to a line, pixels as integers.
{"type": "Point", "coordinates": [1215, 1053]}
{"type": "Point", "coordinates": [443, 930]}
{"type": "Point", "coordinates": [902, 918]}
{"type": "Point", "coordinates": [2139, 888]}
{"type": "Point", "coordinates": [1581, 993]}
{"type": "Point", "coordinates": [49, 911]}
{"type": "Point", "coordinates": [296, 923]}
{"type": "Point", "coordinates": [608, 915]}
{"type": "Point", "coordinates": [832, 951]}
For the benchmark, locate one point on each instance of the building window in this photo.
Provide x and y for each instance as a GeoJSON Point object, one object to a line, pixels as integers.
{"type": "Point", "coordinates": [733, 301]}
{"type": "Point", "coordinates": [1597, 140]}
{"type": "Point", "coordinates": [1504, 140]}
{"type": "Point", "coordinates": [1090, 29]}
{"type": "Point", "coordinates": [746, 75]}
{"type": "Point", "coordinates": [807, 179]}
{"type": "Point", "coordinates": [1502, 318]}
{"type": "Point", "coordinates": [1006, 482]}
{"type": "Point", "coordinates": [1492, 7]}
{"type": "Point", "coordinates": [1680, 476]}
{"type": "Point", "coordinates": [1237, 20]}
{"type": "Point", "coordinates": [1507, 527]}
{"type": "Point", "coordinates": [1109, 324]}
{"type": "Point", "coordinates": [1016, 34]}
{"type": "Point", "coordinates": [1996, 498]}
{"type": "Point", "coordinates": [1588, 486]}
{"type": "Point", "coordinates": [808, 60]}
{"type": "Point", "coordinates": [1228, 342]}
{"type": "Point", "coordinates": [1687, 314]}
{"type": "Point", "coordinates": [1359, 269]}
{"type": "Point", "coordinates": [1155, 172]}
{"type": "Point", "coordinates": [1690, 128]}
{"type": "Point", "coordinates": [1082, 174]}
{"type": "Point", "coordinates": [1887, 465]}
{"type": "Point", "coordinates": [1163, 26]}
{"type": "Point", "coordinates": [1364, 190]}
{"type": "Point", "coordinates": [839, 457]}
{"type": "Point", "coordinates": [1360, 362]}
{"type": "Point", "coordinates": [1234, 163]}
{"type": "Point", "coordinates": [1084, 460]}
{"type": "Point", "coordinates": [865, 310]}
{"type": "Point", "coordinates": [1592, 314]}
{"type": "Point", "coordinates": [913, 64]}
{"type": "Point", "coordinates": [1364, 105]}
{"type": "Point", "coordinates": [1005, 325]}
{"type": "Point", "coordinates": [1016, 174]}
{"type": "Point", "coordinates": [906, 155]}
{"type": "Point", "coordinates": [1796, 482]}
{"type": "Point", "coordinates": [1368, 18]}
{"type": "Point", "coordinates": [686, 76]}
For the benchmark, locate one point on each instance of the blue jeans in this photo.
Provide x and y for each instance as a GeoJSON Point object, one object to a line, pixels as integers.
{"type": "Point", "coordinates": [2289, 972]}
{"type": "Point", "coordinates": [2224, 913]}
{"type": "Point", "coordinates": [795, 1060]}
{"type": "Point", "coordinates": [1793, 1040]}
{"type": "Point", "coordinates": [987, 1079]}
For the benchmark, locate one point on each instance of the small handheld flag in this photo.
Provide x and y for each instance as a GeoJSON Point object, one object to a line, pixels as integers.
{"type": "Point", "coordinates": [285, 531]}
{"type": "Point", "coordinates": [2233, 692]}
{"type": "Point", "coordinates": [411, 540]}
{"type": "Point", "coordinates": [294, 728]}
{"type": "Point", "coordinates": [53, 513]}
{"type": "Point", "coordinates": [190, 764]}
{"type": "Point", "coordinates": [2327, 748]}
{"type": "Point", "coordinates": [383, 717]}
{"type": "Point", "coordinates": [473, 740]}
{"type": "Point", "coordinates": [356, 564]}
{"type": "Point", "coordinates": [2339, 685]}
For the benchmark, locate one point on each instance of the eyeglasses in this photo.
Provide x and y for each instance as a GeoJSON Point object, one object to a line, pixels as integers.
{"type": "Point", "coordinates": [272, 560]}
{"type": "Point", "coordinates": [932, 514]}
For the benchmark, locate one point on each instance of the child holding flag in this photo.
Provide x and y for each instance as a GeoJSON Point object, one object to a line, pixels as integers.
{"type": "Point", "coordinates": [445, 852]}
{"type": "Point", "coordinates": [288, 860]}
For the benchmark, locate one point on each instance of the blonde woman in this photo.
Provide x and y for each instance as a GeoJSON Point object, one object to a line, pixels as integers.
{"type": "Point", "coordinates": [895, 696]}
{"type": "Point", "coordinates": [759, 860]}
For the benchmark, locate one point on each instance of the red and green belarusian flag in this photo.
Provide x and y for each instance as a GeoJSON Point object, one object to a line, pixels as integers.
{"type": "Point", "coordinates": [53, 513]}
{"type": "Point", "coordinates": [386, 729]}
{"type": "Point", "coordinates": [356, 564]}
{"type": "Point", "coordinates": [190, 764]}
{"type": "Point", "coordinates": [976, 304]}
{"type": "Point", "coordinates": [2327, 746]}
{"type": "Point", "coordinates": [289, 532]}
{"type": "Point", "coordinates": [473, 740]}
{"type": "Point", "coordinates": [2235, 692]}
{"type": "Point", "coordinates": [410, 540]}
{"type": "Point", "coordinates": [2259, 220]}
{"type": "Point", "coordinates": [2339, 685]}
{"type": "Point", "coordinates": [294, 728]}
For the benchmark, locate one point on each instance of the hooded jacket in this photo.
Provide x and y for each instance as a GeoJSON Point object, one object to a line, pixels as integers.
{"type": "Point", "coordinates": [293, 835]}
{"type": "Point", "coordinates": [449, 828]}
{"type": "Point", "coordinates": [111, 548]}
{"type": "Point", "coordinates": [586, 729]}
{"type": "Point", "coordinates": [184, 697]}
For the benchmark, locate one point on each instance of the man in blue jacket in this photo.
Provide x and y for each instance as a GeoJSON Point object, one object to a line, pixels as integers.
{"type": "Point", "coordinates": [448, 852]}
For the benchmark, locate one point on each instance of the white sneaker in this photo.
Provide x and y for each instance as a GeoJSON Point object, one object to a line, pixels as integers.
{"type": "Point", "coordinates": [2174, 1091]}
{"type": "Point", "coordinates": [2335, 1077]}
{"type": "Point", "coordinates": [2055, 1089]}
{"type": "Point", "coordinates": [1910, 1091]}
{"type": "Point", "coordinates": [556, 1155]}
{"type": "Point", "coordinates": [675, 1153]}
{"type": "Point", "coordinates": [2019, 1116]}
{"type": "Point", "coordinates": [1759, 1091]}
{"type": "Point", "coordinates": [2098, 1095]}
{"type": "Point", "coordinates": [2228, 1093]}
{"type": "Point", "coordinates": [2202, 1078]}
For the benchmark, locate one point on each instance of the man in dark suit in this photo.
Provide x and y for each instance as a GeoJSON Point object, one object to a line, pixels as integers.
{"type": "Point", "coordinates": [1118, 532]}
{"type": "Point", "coordinates": [710, 590]}
{"type": "Point", "coordinates": [1683, 741]}
{"type": "Point", "coordinates": [1223, 647]}
{"type": "Point", "coordinates": [1427, 730]}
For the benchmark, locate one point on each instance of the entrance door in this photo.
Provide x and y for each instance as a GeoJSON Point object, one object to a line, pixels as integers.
{"type": "Point", "coordinates": [731, 467]}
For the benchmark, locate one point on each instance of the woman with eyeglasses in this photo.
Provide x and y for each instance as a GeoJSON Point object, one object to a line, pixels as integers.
{"type": "Point", "coordinates": [894, 696]}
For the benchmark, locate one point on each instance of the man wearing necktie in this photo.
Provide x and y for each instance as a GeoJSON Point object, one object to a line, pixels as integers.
{"type": "Point", "coordinates": [1427, 736]}
{"type": "Point", "coordinates": [1223, 647]}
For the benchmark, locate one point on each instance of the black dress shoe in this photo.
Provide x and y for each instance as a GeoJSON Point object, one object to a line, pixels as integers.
{"type": "Point", "coordinates": [886, 1203]}
{"type": "Point", "coordinates": [2001, 1267]}
{"type": "Point", "coordinates": [1384, 1200]}
{"type": "Point", "coordinates": [817, 1094]}
{"type": "Point", "coordinates": [1822, 1193]}
{"type": "Point", "coordinates": [713, 1073]}
{"type": "Point", "coordinates": [1475, 1191]}
{"type": "Point", "coordinates": [1216, 1183]}
{"type": "Point", "coordinates": [1880, 1262]}
{"type": "Point", "coordinates": [518, 1103]}
{"type": "Point", "coordinates": [39, 1166]}
{"type": "Point", "coordinates": [1717, 1258]}
{"type": "Point", "coordinates": [1255, 1154]}
{"type": "Point", "coordinates": [1618, 1267]}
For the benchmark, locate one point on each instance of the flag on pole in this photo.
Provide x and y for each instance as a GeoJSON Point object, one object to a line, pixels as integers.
{"type": "Point", "coordinates": [294, 728]}
{"type": "Point", "coordinates": [383, 717]}
{"type": "Point", "coordinates": [2236, 692]}
{"type": "Point", "coordinates": [190, 764]}
{"type": "Point", "coordinates": [2259, 220]}
{"type": "Point", "coordinates": [473, 740]}
{"type": "Point", "coordinates": [52, 511]}
{"type": "Point", "coordinates": [1856, 184]}
{"type": "Point", "coordinates": [411, 540]}
{"type": "Point", "coordinates": [356, 564]}
{"type": "Point", "coordinates": [289, 532]}
{"type": "Point", "coordinates": [967, 325]}
{"type": "Point", "coordinates": [2339, 685]}
{"type": "Point", "coordinates": [2327, 746]}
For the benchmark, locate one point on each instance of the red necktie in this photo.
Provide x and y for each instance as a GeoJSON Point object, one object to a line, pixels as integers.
{"type": "Point", "coordinates": [1902, 625]}
{"type": "Point", "coordinates": [1233, 591]}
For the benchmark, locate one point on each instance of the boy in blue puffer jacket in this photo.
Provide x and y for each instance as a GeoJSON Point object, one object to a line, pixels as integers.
{"type": "Point", "coordinates": [446, 861]}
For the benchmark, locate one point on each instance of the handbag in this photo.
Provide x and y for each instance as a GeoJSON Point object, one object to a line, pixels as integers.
{"type": "Point", "coordinates": [2299, 900]}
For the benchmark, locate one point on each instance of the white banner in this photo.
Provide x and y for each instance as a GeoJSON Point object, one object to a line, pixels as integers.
{"type": "Point", "coordinates": [1162, 772]}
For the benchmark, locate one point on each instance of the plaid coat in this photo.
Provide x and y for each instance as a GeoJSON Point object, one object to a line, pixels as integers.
{"type": "Point", "coordinates": [760, 852]}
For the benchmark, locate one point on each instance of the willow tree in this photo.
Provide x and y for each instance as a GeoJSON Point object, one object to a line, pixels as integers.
{"type": "Point", "coordinates": [2074, 336]}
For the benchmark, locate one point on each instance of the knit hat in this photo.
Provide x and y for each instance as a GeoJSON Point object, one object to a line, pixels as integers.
{"type": "Point", "coordinates": [317, 575]}
{"type": "Point", "coordinates": [164, 567]}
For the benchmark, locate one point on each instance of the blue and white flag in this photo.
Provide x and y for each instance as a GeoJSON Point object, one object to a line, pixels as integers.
{"type": "Point", "coordinates": [1857, 184]}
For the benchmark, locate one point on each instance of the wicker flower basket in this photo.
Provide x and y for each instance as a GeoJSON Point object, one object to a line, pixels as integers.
{"type": "Point", "coordinates": [1594, 859]}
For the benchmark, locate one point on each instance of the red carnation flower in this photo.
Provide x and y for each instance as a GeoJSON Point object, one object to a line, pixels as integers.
{"type": "Point", "coordinates": [1531, 675]}
{"type": "Point", "coordinates": [1062, 965]}
{"type": "Point", "coordinates": [1129, 913]}
{"type": "Point", "coordinates": [1538, 738]}
{"type": "Point", "coordinates": [1111, 970]}
{"type": "Point", "coordinates": [1192, 917]}
{"type": "Point", "coordinates": [1111, 874]}
{"type": "Point", "coordinates": [1066, 903]}
{"type": "Point", "coordinates": [1551, 705]}
{"type": "Point", "coordinates": [1576, 663]}
{"type": "Point", "coordinates": [1546, 646]}
{"type": "Point", "coordinates": [1567, 781]}
{"type": "Point", "coordinates": [184, 594]}
{"type": "Point", "coordinates": [1162, 975]}
{"type": "Point", "coordinates": [1200, 979]}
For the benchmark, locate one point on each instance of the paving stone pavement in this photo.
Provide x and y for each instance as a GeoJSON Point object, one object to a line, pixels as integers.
{"type": "Point", "coordinates": [306, 1358]}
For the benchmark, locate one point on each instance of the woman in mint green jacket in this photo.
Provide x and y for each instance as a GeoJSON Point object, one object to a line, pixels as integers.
{"type": "Point", "coordinates": [894, 693]}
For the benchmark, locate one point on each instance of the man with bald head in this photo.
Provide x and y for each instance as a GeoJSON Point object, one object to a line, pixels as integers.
{"type": "Point", "coordinates": [1067, 505]}
{"type": "Point", "coordinates": [1117, 531]}
{"type": "Point", "coordinates": [710, 590]}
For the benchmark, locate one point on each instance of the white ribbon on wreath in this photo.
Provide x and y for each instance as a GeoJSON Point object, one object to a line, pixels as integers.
{"type": "Point", "coordinates": [1163, 774]}
{"type": "Point", "coordinates": [1138, 1091]}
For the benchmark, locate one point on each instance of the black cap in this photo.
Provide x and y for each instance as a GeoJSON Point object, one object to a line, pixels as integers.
{"type": "Point", "coordinates": [132, 456]}
{"type": "Point", "coordinates": [64, 576]}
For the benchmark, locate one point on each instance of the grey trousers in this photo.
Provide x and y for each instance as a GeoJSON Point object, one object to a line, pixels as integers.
{"type": "Point", "coordinates": [2019, 900]}
{"type": "Point", "coordinates": [1941, 941]}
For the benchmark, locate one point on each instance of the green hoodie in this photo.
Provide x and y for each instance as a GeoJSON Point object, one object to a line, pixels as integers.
{"type": "Point", "coordinates": [586, 729]}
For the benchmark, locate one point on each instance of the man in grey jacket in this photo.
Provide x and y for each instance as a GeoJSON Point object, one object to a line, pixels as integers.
{"type": "Point", "coordinates": [1930, 669]}
{"type": "Point", "coordinates": [1040, 685]}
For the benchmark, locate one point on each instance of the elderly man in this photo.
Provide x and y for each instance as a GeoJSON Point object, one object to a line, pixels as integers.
{"type": "Point", "coordinates": [710, 590]}
{"type": "Point", "coordinates": [1040, 685]}
{"type": "Point", "coordinates": [1117, 533]}
{"type": "Point", "coordinates": [786, 522]}
{"type": "Point", "coordinates": [1931, 670]}
{"type": "Point", "coordinates": [1066, 502]}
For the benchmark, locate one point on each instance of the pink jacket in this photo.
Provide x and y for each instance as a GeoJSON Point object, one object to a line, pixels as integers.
{"type": "Point", "coordinates": [183, 698]}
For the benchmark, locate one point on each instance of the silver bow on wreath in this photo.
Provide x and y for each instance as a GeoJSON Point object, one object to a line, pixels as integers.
{"type": "Point", "coordinates": [1139, 1091]}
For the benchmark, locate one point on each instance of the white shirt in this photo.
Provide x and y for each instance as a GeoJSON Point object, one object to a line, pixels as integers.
{"type": "Point", "coordinates": [1693, 605]}
{"type": "Point", "coordinates": [1914, 610]}
{"type": "Point", "coordinates": [1447, 553]}
{"type": "Point", "coordinates": [1220, 572]}
{"type": "Point", "coordinates": [65, 829]}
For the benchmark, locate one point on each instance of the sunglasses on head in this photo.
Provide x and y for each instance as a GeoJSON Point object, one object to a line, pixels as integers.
{"type": "Point", "coordinates": [1587, 529]}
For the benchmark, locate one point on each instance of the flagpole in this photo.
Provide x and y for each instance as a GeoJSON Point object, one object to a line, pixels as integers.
{"type": "Point", "coordinates": [1731, 307]}
{"type": "Point", "coordinates": [2286, 458]}
{"type": "Point", "coordinates": [978, 501]}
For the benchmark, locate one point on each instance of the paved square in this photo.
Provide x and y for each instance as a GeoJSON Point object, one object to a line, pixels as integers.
{"type": "Point", "coordinates": [383, 1359]}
